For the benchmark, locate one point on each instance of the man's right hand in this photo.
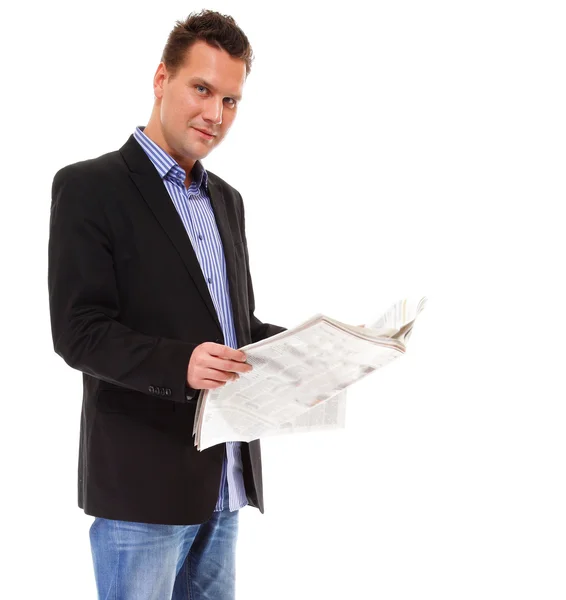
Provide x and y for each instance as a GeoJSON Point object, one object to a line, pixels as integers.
{"type": "Point", "coordinates": [213, 365]}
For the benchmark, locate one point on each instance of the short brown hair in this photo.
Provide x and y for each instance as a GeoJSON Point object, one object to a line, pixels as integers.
{"type": "Point", "coordinates": [214, 29]}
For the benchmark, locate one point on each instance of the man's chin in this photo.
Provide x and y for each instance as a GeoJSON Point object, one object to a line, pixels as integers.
{"type": "Point", "coordinates": [196, 151]}
{"type": "Point", "coordinates": [200, 155]}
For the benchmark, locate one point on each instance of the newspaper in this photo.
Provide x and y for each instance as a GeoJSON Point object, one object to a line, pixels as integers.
{"type": "Point", "coordinates": [300, 377]}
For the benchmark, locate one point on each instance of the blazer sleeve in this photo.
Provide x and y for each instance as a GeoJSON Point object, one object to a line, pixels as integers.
{"type": "Point", "coordinates": [84, 301]}
{"type": "Point", "coordinates": [259, 330]}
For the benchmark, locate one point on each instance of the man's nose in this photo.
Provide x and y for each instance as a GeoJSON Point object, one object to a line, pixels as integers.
{"type": "Point", "coordinates": [213, 111]}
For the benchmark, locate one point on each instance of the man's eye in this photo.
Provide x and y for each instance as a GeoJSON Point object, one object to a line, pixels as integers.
{"type": "Point", "coordinates": [231, 101]}
{"type": "Point", "coordinates": [200, 86]}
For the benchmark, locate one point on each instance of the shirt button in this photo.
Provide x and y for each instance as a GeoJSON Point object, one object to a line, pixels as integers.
{"type": "Point", "coordinates": [210, 280]}
{"type": "Point", "coordinates": [199, 236]}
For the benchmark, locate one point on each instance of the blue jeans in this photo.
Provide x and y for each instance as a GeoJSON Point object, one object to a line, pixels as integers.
{"type": "Point", "coordinates": [141, 561]}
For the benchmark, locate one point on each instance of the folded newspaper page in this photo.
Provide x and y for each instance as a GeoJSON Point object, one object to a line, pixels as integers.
{"type": "Point", "coordinates": [300, 377]}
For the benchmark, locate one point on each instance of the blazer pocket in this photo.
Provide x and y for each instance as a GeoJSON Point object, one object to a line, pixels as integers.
{"type": "Point", "coordinates": [240, 256]}
{"type": "Point", "coordinates": [131, 402]}
{"type": "Point", "coordinates": [239, 250]}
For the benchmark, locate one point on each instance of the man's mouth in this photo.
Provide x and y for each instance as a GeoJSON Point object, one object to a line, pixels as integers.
{"type": "Point", "coordinates": [205, 133]}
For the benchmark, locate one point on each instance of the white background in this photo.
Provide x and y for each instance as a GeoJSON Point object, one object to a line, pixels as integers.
{"type": "Point", "coordinates": [382, 150]}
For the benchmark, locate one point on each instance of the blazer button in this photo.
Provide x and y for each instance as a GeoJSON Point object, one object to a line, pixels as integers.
{"type": "Point", "coordinates": [162, 391]}
{"type": "Point", "coordinates": [151, 389]}
{"type": "Point", "coordinates": [217, 340]}
{"type": "Point", "coordinates": [167, 392]}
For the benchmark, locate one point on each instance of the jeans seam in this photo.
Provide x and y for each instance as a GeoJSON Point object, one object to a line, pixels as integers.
{"type": "Point", "coordinates": [190, 590]}
{"type": "Point", "coordinates": [117, 531]}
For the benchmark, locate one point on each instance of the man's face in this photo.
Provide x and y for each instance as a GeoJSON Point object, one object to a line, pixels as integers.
{"type": "Point", "coordinates": [203, 96]}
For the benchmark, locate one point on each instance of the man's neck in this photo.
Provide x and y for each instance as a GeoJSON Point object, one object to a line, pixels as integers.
{"type": "Point", "coordinates": [155, 135]}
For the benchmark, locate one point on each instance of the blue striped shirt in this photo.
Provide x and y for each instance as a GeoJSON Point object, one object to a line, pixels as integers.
{"type": "Point", "coordinates": [195, 210]}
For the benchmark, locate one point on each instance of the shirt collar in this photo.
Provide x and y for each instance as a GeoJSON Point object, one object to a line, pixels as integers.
{"type": "Point", "coordinates": [167, 166]}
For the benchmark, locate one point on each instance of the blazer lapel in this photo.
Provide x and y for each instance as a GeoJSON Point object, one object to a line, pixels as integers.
{"type": "Point", "coordinates": [151, 187]}
{"type": "Point", "coordinates": [223, 224]}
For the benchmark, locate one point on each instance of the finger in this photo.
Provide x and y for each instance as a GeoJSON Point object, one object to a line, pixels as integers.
{"type": "Point", "coordinates": [232, 366]}
{"type": "Point", "coordinates": [225, 352]}
{"type": "Point", "coordinates": [211, 384]}
{"type": "Point", "coordinates": [220, 364]}
{"type": "Point", "coordinates": [218, 375]}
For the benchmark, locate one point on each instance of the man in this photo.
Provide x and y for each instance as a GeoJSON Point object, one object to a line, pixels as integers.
{"type": "Point", "coordinates": [150, 295]}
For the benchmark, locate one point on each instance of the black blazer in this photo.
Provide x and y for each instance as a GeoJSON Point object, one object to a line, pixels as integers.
{"type": "Point", "coordinates": [129, 304]}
